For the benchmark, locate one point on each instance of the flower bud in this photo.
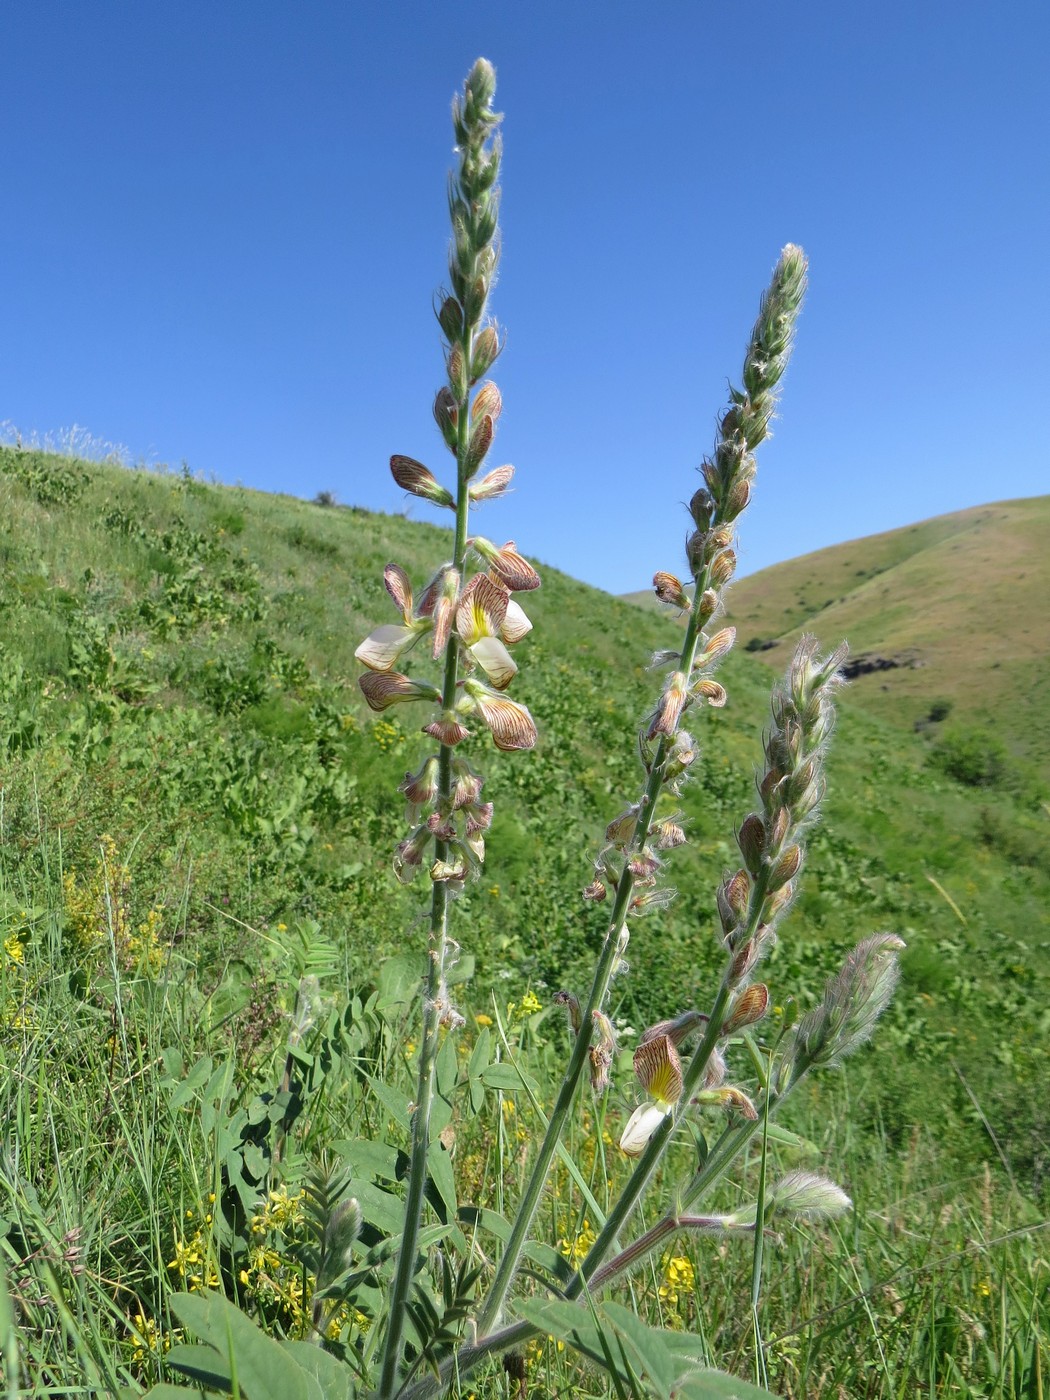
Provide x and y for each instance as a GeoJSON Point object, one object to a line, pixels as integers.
{"type": "Point", "coordinates": [709, 690]}
{"type": "Point", "coordinates": [446, 415]}
{"type": "Point", "coordinates": [785, 868]}
{"type": "Point", "coordinates": [457, 371]}
{"type": "Point", "coordinates": [751, 838]}
{"type": "Point", "coordinates": [750, 1006]}
{"type": "Point", "coordinates": [595, 893]}
{"type": "Point", "coordinates": [723, 568]}
{"type": "Point", "coordinates": [413, 477]}
{"type": "Point", "coordinates": [481, 435]}
{"type": "Point", "coordinates": [486, 348]}
{"type": "Point", "coordinates": [450, 318]}
{"type": "Point", "coordinates": [488, 400]}
{"type": "Point", "coordinates": [738, 498]}
{"type": "Point", "coordinates": [492, 485]}
{"type": "Point", "coordinates": [385, 688]}
{"type": "Point", "coordinates": [702, 508]}
{"type": "Point", "coordinates": [669, 590]}
{"type": "Point", "coordinates": [718, 646]}
{"type": "Point", "coordinates": [708, 604]}
{"type": "Point", "coordinates": [669, 707]}
{"type": "Point", "coordinates": [514, 571]}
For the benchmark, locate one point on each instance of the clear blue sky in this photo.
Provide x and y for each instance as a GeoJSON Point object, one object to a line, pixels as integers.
{"type": "Point", "coordinates": [223, 224]}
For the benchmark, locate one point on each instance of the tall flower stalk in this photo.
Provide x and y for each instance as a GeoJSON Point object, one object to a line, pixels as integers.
{"type": "Point", "coordinates": [467, 614]}
{"type": "Point", "coordinates": [470, 620]}
{"type": "Point", "coordinates": [628, 864]}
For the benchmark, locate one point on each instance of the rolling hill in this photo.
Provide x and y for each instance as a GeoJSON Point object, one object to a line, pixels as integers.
{"type": "Point", "coordinates": [948, 613]}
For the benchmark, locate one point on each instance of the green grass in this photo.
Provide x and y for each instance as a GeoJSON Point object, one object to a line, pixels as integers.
{"type": "Point", "coordinates": [178, 676]}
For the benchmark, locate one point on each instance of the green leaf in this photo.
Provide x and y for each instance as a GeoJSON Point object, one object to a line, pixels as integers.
{"type": "Point", "coordinates": [502, 1076]}
{"type": "Point", "coordinates": [331, 1374]}
{"type": "Point", "coordinates": [264, 1370]}
{"type": "Point", "coordinates": [439, 1165]}
{"type": "Point", "coordinates": [618, 1341]}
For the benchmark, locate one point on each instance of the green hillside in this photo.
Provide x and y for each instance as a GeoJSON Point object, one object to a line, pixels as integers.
{"type": "Point", "coordinates": [183, 746]}
{"type": "Point", "coordinates": [948, 610]}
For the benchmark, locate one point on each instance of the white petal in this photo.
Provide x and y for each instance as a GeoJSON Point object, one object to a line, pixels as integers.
{"type": "Point", "coordinates": [495, 660]}
{"type": "Point", "coordinates": [380, 649]}
{"type": "Point", "coordinates": [515, 624]}
{"type": "Point", "coordinates": [641, 1125]}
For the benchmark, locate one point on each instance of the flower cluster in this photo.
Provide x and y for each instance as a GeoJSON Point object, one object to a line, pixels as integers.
{"type": "Point", "coordinates": [466, 611]}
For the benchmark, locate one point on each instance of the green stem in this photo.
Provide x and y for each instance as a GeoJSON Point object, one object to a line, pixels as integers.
{"type": "Point", "coordinates": [432, 1010]}
{"type": "Point", "coordinates": [529, 1204]}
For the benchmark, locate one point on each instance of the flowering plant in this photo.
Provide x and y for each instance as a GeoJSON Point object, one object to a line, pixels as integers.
{"type": "Point", "coordinates": [466, 618]}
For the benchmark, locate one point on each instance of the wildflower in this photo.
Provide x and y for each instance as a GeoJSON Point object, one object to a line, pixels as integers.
{"type": "Point", "coordinates": [382, 649]}
{"type": "Point", "coordinates": [382, 690]}
{"type": "Point", "coordinates": [479, 616]}
{"type": "Point", "coordinates": [679, 1278]}
{"type": "Point", "coordinates": [659, 1071]}
{"type": "Point", "coordinates": [13, 948]}
{"type": "Point", "coordinates": [577, 1249]}
{"type": "Point", "coordinates": [507, 564]}
{"type": "Point", "coordinates": [510, 724]}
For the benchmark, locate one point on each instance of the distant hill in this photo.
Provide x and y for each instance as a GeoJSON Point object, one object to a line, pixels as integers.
{"type": "Point", "coordinates": [950, 610]}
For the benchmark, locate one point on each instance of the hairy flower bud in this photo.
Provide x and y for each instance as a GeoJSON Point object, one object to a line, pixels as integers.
{"type": "Point", "coordinates": [669, 707]}
{"type": "Point", "coordinates": [458, 377]}
{"type": "Point", "coordinates": [492, 485]}
{"type": "Point", "coordinates": [481, 435]}
{"type": "Point", "coordinates": [669, 590]}
{"type": "Point", "coordinates": [486, 349]}
{"type": "Point", "coordinates": [723, 567]}
{"type": "Point", "coordinates": [514, 571]}
{"type": "Point", "coordinates": [708, 605]}
{"type": "Point", "coordinates": [383, 689]}
{"type": "Point", "coordinates": [750, 1006]}
{"type": "Point", "coordinates": [450, 318]}
{"type": "Point", "coordinates": [717, 647]}
{"type": "Point", "coordinates": [413, 477]}
{"type": "Point", "coordinates": [702, 508]}
{"type": "Point", "coordinates": [785, 868]}
{"type": "Point", "coordinates": [446, 416]}
{"type": "Point", "coordinates": [751, 838]}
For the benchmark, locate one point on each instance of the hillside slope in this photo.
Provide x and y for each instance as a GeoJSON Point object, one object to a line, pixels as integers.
{"type": "Point", "coordinates": [948, 610]}
{"type": "Point", "coordinates": [178, 675]}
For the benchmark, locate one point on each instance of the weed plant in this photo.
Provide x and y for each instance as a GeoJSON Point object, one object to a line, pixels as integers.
{"type": "Point", "coordinates": [383, 1191]}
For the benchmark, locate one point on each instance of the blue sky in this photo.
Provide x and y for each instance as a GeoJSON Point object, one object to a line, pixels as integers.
{"type": "Point", "coordinates": [224, 225]}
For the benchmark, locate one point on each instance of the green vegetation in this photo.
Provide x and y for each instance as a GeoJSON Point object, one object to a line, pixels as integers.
{"type": "Point", "coordinates": [224, 752]}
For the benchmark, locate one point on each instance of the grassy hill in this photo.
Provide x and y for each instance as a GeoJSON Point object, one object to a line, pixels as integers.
{"type": "Point", "coordinates": [183, 746]}
{"type": "Point", "coordinates": [948, 613]}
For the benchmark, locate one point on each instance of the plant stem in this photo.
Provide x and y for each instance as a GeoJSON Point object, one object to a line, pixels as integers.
{"type": "Point", "coordinates": [438, 952]}
{"type": "Point", "coordinates": [530, 1200]}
